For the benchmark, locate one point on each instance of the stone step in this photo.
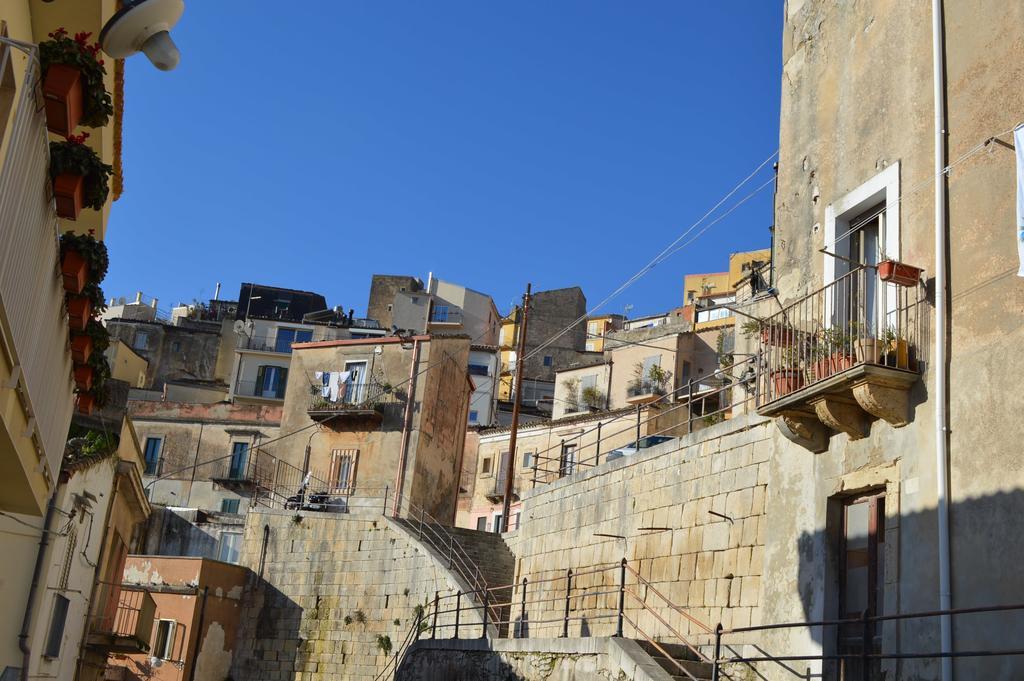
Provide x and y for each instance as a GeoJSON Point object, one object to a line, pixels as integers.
{"type": "Point", "coordinates": [700, 670]}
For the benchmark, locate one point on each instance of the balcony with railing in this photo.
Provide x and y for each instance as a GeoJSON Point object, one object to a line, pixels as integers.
{"type": "Point", "coordinates": [35, 335]}
{"type": "Point", "coordinates": [839, 357]}
{"type": "Point", "coordinates": [260, 389]}
{"type": "Point", "coordinates": [350, 401]}
{"type": "Point", "coordinates": [122, 620]}
{"type": "Point", "coordinates": [642, 391]}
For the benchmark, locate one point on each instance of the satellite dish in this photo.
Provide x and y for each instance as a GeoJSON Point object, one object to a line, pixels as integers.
{"type": "Point", "coordinates": [239, 327]}
{"type": "Point", "coordinates": [143, 25]}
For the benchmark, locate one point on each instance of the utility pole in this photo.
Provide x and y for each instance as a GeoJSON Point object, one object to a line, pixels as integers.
{"type": "Point", "coordinates": [517, 396]}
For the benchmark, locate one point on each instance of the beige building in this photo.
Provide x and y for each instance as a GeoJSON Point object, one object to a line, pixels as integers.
{"type": "Point", "coordinates": [381, 415]}
{"type": "Point", "coordinates": [126, 364]}
{"type": "Point", "coordinates": [598, 327]}
{"type": "Point", "coordinates": [71, 616]}
{"type": "Point", "coordinates": [202, 456]}
{"type": "Point", "coordinates": [638, 367]}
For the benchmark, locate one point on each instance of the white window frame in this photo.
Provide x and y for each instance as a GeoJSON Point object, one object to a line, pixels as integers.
{"type": "Point", "coordinates": [883, 187]}
{"type": "Point", "coordinates": [168, 650]}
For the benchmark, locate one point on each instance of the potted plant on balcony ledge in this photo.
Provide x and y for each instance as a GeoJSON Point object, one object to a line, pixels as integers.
{"type": "Point", "coordinates": [80, 178]}
{"type": "Point", "coordinates": [73, 88]}
{"type": "Point", "coordinates": [95, 395]}
{"type": "Point", "coordinates": [895, 272]}
{"type": "Point", "coordinates": [787, 377]}
{"type": "Point", "coordinates": [83, 259]}
{"type": "Point", "coordinates": [772, 333]}
{"type": "Point", "coordinates": [831, 352]}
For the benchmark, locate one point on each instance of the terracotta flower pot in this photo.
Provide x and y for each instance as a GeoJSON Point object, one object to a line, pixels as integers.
{"type": "Point", "coordinates": [833, 364]}
{"type": "Point", "coordinates": [62, 97]}
{"type": "Point", "coordinates": [83, 377]}
{"type": "Point", "coordinates": [67, 190]}
{"type": "Point", "coordinates": [899, 273]}
{"type": "Point", "coordinates": [86, 403]}
{"type": "Point", "coordinates": [73, 269]}
{"type": "Point", "coordinates": [79, 312]}
{"type": "Point", "coordinates": [786, 381]}
{"type": "Point", "coordinates": [778, 336]}
{"type": "Point", "coordinates": [81, 348]}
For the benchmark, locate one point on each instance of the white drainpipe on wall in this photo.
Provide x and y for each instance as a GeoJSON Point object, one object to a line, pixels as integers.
{"type": "Point", "coordinates": [939, 357]}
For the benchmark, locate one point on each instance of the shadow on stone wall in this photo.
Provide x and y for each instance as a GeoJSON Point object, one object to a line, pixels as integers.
{"type": "Point", "coordinates": [269, 644]}
{"type": "Point", "coordinates": [986, 571]}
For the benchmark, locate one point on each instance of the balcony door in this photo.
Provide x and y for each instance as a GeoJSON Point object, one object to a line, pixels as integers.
{"type": "Point", "coordinates": [239, 455]}
{"type": "Point", "coordinates": [355, 385]}
{"type": "Point", "coordinates": [861, 580]}
{"type": "Point", "coordinates": [864, 247]}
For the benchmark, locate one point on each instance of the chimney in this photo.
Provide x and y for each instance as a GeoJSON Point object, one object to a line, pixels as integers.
{"type": "Point", "coordinates": [153, 304]}
{"type": "Point", "coordinates": [216, 292]}
{"type": "Point", "coordinates": [138, 298]}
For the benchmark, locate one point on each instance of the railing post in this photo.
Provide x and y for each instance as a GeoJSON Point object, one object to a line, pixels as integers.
{"type": "Point", "coordinates": [865, 645]}
{"type": "Point", "coordinates": [718, 652]}
{"type": "Point", "coordinates": [534, 471]}
{"type": "Point", "coordinates": [622, 597]}
{"type": "Point", "coordinates": [689, 406]}
{"type": "Point", "coordinates": [421, 525]}
{"type": "Point", "coordinates": [522, 611]}
{"type": "Point", "coordinates": [483, 632]}
{"type": "Point", "coordinates": [451, 552]}
{"type": "Point", "coordinates": [458, 609]}
{"type": "Point", "coordinates": [638, 413]}
{"type": "Point", "coordinates": [597, 455]}
{"type": "Point", "coordinates": [568, 597]}
{"type": "Point", "coordinates": [433, 625]}
{"type": "Point", "coordinates": [384, 510]}
{"type": "Point", "coordinates": [561, 458]}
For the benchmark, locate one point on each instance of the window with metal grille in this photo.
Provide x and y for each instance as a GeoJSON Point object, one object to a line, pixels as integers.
{"type": "Point", "coordinates": [343, 470]}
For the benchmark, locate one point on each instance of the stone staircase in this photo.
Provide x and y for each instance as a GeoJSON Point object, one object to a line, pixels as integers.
{"type": "Point", "coordinates": [681, 656]}
{"type": "Point", "coordinates": [485, 550]}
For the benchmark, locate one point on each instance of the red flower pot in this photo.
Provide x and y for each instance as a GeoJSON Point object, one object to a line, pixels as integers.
{"type": "Point", "coordinates": [833, 364]}
{"type": "Point", "coordinates": [79, 312]}
{"type": "Point", "coordinates": [62, 98]}
{"type": "Point", "coordinates": [67, 190]}
{"type": "Point", "coordinates": [81, 348]}
{"type": "Point", "coordinates": [786, 381]}
{"type": "Point", "coordinates": [73, 269]}
{"type": "Point", "coordinates": [83, 377]}
{"type": "Point", "coordinates": [778, 336]}
{"type": "Point", "coordinates": [86, 403]}
{"type": "Point", "coordinates": [899, 273]}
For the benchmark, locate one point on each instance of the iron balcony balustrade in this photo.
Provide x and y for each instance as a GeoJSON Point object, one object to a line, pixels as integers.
{"type": "Point", "coordinates": [840, 356]}
{"type": "Point", "coordinates": [353, 401]}
{"type": "Point", "coordinates": [122, 622]}
{"type": "Point", "coordinates": [642, 391]}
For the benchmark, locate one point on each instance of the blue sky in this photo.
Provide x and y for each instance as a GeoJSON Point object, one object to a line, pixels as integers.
{"type": "Point", "coordinates": [563, 143]}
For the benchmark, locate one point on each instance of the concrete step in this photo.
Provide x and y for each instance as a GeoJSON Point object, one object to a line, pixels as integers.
{"type": "Point", "coordinates": [676, 650]}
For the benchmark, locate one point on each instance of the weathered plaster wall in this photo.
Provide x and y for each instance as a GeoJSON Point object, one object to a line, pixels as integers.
{"type": "Point", "coordinates": [196, 448]}
{"type": "Point", "coordinates": [331, 584]}
{"type": "Point", "coordinates": [437, 432]}
{"type": "Point", "coordinates": [173, 352]}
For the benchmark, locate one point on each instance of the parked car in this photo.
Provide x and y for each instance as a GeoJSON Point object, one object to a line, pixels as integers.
{"type": "Point", "coordinates": [634, 447]}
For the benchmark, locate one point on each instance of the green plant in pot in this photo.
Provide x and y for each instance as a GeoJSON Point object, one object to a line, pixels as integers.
{"type": "Point", "coordinates": [592, 397]}
{"type": "Point", "coordinates": [73, 89]}
{"type": "Point", "coordinates": [786, 377]}
{"type": "Point", "coordinates": [832, 352]}
{"type": "Point", "coordinates": [572, 394]}
{"type": "Point", "coordinates": [83, 259]}
{"type": "Point", "coordinates": [894, 350]}
{"type": "Point", "coordinates": [80, 178]}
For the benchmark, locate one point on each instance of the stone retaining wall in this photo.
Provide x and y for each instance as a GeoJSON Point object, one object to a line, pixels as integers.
{"type": "Point", "coordinates": [331, 585]}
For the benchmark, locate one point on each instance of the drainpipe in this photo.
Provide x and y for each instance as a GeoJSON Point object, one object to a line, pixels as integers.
{"type": "Point", "coordinates": [37, 571]}
{"type": "Point", "coordinates": [942, 395]}
{"type": "Point", "coordinates": [406, 428]}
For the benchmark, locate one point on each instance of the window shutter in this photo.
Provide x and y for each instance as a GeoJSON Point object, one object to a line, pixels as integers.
{"type": "Point", "coordinates": [282, 381]}
{"type": "Point", "coordinates": [261, 375]}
